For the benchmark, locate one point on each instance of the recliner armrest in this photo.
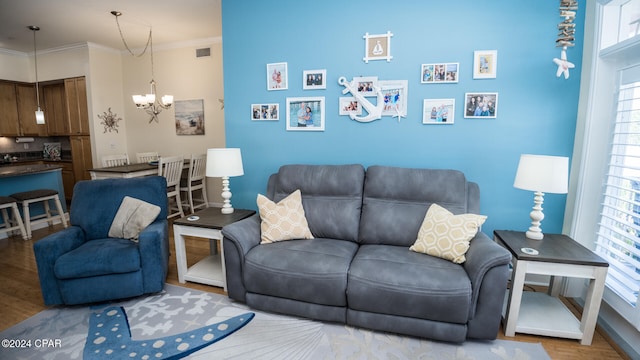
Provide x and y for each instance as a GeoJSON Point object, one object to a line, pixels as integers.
{"type": "Point", "coordinates": [238, 239]}
{"type": "Point", "coordinates": [47, 251]}
{"type": "Point", "coordinates": [483, 254]}
{"type": "Point", "coordinates": [153, 242]}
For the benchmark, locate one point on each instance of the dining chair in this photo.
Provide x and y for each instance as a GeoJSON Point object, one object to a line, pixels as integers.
{"type": "Point", "coordinates": [195, 182]}
{"type": "Point", "coordinates": [171, 169]}
{"type": "Point", "coordinates": [115, 160]}
{"type": "Point", "coordinates": [145, 157]}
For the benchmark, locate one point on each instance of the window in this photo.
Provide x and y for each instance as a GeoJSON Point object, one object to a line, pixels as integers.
{"type": "Point", "coordinates": [618, 237]}
{"type": "Point", "coordinates": [617, 234]}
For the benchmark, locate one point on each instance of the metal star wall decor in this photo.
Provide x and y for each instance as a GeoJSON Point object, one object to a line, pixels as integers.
{"type": "Point", "coordinates": [109, 121]}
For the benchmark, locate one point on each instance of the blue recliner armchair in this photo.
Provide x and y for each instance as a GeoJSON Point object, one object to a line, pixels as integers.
{"type": "Point", "coordinates": [98, 268]}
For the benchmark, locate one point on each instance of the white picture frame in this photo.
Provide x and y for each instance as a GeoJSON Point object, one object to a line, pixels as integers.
{"type": "Point", "coordinates": [377, 47]}
{"type": "Point", "coordinates": [312, 106]}
{"type": "Point", "coordinates": [265, 112]}
{"type": "Point", "coordinates": [395, 94]}
{"type": "Point", "coordinates": [485, 64]}
{"type": "Point", "coordinates": [314, 79]}
{"type": "Point", "coordinates": [349, 105]}
{"type": "Point", "coordinates": [481, 105]}
{"type": "Point", "coordinates": [277, 76]}
{"type": "Point", "coordinates": [438, 111]}
{"type": "Point", "coordinates": [439, 73]}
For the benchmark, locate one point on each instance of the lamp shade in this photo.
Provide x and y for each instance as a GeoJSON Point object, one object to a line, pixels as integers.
{"type": "Point", "coordinates": [547, 174]}
{"type": "Point", "coordinates": [224, 162]}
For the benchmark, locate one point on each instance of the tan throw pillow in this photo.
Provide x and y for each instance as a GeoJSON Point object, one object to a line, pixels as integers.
{"type": "Point", "coordinates": [445, 235]}
{"type": "Point", "coordinates": [284, 220]}
{"type": "Point", "coordinates": [132, 217]}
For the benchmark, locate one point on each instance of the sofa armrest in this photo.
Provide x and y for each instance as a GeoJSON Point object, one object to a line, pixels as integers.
{"type": "Point", "coordinates": [488, 268]}
{"type": "Point", "coordinates": [153, 243]}
{"type": "Point", "coordinates": [238, 239]}
{"type": "Point", "coordinates": [47, 250]}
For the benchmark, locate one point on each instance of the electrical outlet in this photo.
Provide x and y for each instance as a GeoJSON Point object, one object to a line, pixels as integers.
{"type": "Point", "coordinates": [26, 146]}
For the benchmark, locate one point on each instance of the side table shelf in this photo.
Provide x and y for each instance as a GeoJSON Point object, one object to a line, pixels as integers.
{"type": "Point", "coordinates": [208, 226]}
{"type": "Point", "coordinates": [537, 313]}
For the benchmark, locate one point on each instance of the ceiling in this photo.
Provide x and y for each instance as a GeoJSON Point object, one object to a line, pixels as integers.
{"type": "Point", "coordinates": [70, 22]}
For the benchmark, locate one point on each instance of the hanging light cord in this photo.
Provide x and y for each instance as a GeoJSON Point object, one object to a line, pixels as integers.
{"type": "Point", "coordinates": [117, 14]}
{"type": "Point", "coordinates": [35, 56]}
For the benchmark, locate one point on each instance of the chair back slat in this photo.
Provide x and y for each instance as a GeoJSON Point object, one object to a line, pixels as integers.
{"type": "Point", "coordinates": [115, 160]}
{"type": "Point", "coordinates": [145, 157]}
{"type": "Point", "coordinates": [171, 169]}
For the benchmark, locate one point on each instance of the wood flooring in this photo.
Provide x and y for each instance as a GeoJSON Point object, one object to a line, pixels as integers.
{"type": "Point", "coordinates": [20, 296]}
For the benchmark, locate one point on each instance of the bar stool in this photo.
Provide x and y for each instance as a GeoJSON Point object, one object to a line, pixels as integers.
{"type": "Point", "coordinates": [10, 203]}
{"type": "Point", "coordinates": [27, 198]}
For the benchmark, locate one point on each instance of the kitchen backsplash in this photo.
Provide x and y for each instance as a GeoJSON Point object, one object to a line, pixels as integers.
{"type": "Point", "coordinates": [33, 150]}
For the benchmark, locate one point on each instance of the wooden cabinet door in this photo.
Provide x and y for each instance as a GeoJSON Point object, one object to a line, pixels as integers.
{"type": "Point", "coordinates": [55, 109]}
{"type": "Point", "coordinates": [9, 125]}
{"type": "Point", "coordinates": [77, 109]}
{"type": "Point", "coordinates": [68, 180]}
{"type": "Point", "coordinates": [81, 157]}
{"type": "Point", "coordinates": [27, 106]}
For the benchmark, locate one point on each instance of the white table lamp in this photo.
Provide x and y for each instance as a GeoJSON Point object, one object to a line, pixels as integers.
{"type": "Point", "coordinates": [224, 163]}
{"type": "Point", "coordinates": [541, 174]}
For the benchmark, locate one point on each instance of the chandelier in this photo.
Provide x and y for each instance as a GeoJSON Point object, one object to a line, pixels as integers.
{"type": "Point", "coordinates": [149, 102]}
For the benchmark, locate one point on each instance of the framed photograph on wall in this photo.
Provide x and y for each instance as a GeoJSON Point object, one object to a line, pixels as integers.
{"type": "Point", "coordinates": [189, 117]}
{"type": "Point", "coordinates": [485, 64]}
{"type": "Point", "coordinates": [438, 111]}
{"type": "Point", "coordinates": [265, 112]}
{"type": "Point", "coordinates": [366, 85]}
{"type": "Point", "coordinates": [481, 105]}
{"type": "Point", "coordinates": [395, 93]}
{"type": "Point", "coordinates": [314, 79]}
{"type": "Point", "coordinates": [277, 76]}
{"type": "Point", "coordinates": [440, 73]}
{"type": "Point", "coordinates": [349, 105]}
{"type": "Point", "coordinates": [305, 113]}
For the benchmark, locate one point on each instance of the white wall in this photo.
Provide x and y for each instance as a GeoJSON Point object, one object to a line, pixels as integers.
{"type": "Point", "coordinates": [15, 66]}
{"type": "Point", "coordinates": [104, 85]}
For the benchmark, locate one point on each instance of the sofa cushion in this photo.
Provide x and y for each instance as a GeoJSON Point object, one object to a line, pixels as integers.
{"type": "Point", "coordinates": [313, 270]}
{"type": "Point", "coordinates": [396, 199]}
{"type": "Point", "coordinates": [133, 216]}
{"type": "Point", "coordinates": [331, 196]}
{"type": "Point", "coordinates": [284, 220]}
{"type": "Point", "coordinates": [392, 280]}
{"type": "Point", "coordinates": [99, 257]}
{"type": "Point", "coordinates": [445, 235]}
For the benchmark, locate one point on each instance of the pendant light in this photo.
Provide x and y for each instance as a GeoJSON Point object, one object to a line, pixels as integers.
{"type": "Point", "coordinates": [39, 113]}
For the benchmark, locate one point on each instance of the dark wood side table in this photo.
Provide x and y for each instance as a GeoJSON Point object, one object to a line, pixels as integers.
{"type": "Point", "coordinates": [205, 224]}
{"type": "Point", "coordinates": [544, 314]}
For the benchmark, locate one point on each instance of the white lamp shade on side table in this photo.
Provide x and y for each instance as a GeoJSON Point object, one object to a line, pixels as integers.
{"type": "Point", "coordinates": [224, 163]}
{"type": "Point", "coordinates": [541, 174]}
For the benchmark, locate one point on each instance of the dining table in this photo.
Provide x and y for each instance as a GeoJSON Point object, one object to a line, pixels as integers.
{"type": "Point", "coordinates": [124, 171]}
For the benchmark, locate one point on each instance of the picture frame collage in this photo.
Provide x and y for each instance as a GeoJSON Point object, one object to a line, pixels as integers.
{"type": "Point", "coordinates": [478, 105]}
{"type": "Point", "coordinates": [308, 113]}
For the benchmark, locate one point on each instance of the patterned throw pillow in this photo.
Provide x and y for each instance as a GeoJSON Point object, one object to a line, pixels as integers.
{"type": "Point", "coordinates": [445, 235]}
{"type": "Point", "coordinates": [284, 220]}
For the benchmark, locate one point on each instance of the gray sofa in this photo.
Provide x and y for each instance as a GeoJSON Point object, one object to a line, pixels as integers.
{"type": "Point", "coordinates": [358, 269]}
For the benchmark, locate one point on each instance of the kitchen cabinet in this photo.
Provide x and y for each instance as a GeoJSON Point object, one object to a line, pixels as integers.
{"type": "Point", "coordinates": [55, 109]}
{"type": "Point", "coordinates": [81, 157]}
{"type": "Point", "coordinates": [27, 106]}
{"type": "Point", "coordinates": [77, 108]}
{"type": "Point", "coordinates": [8, 110]}
{"type": "Point", "coordinates": [68, 180]}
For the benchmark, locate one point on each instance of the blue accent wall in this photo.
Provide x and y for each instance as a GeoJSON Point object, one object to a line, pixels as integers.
{"type": "Point", "coordinates": [536, 110]}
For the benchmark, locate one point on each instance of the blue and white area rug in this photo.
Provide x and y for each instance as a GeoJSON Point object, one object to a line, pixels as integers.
{"type": "Point", "coordinates": [177, 312]}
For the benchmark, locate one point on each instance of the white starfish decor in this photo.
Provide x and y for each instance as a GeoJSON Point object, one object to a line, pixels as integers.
{"type": "Point", "coordinates": [563, 64]}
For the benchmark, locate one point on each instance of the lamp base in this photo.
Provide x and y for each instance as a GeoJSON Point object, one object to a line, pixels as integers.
{"type": "Point", "coordinates": [535, 232]}
{"type": "Point", "coordinates": [226, 195]}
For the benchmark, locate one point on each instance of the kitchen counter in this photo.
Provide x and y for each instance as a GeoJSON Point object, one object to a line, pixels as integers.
{"type": "Point", "coordinates": [19, 170]}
